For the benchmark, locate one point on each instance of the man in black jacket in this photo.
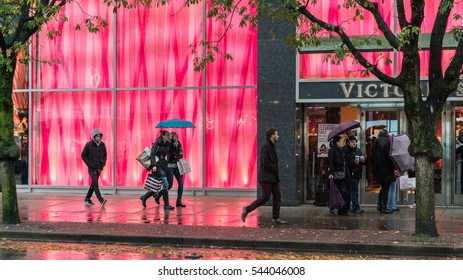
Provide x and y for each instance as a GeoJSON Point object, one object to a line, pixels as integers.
{"type": "Point", "coordinates": [94, 155]}
{"type": "Point", "coordinates": [268, 178]}
{"type": "Point", "coordinates": [355, 161]}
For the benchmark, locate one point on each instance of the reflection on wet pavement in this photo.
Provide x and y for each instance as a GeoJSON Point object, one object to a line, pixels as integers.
{"type": "Point", "coordinates": [217, 211]}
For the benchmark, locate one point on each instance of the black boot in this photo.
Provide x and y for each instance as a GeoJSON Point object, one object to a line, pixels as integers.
{"type": "Point", "coordinates": [144, 197]}
{"type": "Point", "coordinates": [165, 198]}
{"type": "Point", "coordinates": [157, 197]}
{"type": "Point", "coordinates": [180, 204]}
{"type": "Point", "coordinates": [383, 205]}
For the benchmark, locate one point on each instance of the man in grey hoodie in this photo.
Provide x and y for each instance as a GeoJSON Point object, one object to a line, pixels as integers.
{"type": "Point", "coordinates": [94, 155]}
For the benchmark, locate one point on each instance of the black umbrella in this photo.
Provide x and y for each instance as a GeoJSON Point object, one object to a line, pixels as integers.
{"type": "Point", "coordinates": [342, 128]}
{"type": "Point", "coordinates": [373, 129]}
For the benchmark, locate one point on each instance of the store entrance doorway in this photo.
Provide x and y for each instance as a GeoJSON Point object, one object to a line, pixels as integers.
{"type": "Point", "coordinates": [373, 122]}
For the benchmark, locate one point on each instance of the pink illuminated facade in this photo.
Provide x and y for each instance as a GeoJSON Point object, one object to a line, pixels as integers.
{"type": "Point", "coordinates": [139, 71]}
{"type": "Point", "coordinates": [124, 80]}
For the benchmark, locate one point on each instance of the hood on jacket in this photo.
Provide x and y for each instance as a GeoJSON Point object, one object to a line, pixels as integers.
{"type": "Point", "coordinates": [96, 132]}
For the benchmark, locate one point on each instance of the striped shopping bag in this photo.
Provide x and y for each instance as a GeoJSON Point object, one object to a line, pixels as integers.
{"type": "Point", "coordinates": [153, 183]}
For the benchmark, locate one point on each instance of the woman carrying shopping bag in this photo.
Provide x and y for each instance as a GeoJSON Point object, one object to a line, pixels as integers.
{"type": "Point", "coordinates": [338, 173]}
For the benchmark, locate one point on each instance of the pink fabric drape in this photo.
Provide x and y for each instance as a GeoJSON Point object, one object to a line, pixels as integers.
{"type": "Point", "coordinates": [241, 44]}
{"type": "Point", "coordinates": [155, 81]}
{"type": "Point", "coordinates": [153, 46]}
{"type": "Point", "coordinates": [138, 112]}
{"type": "Point", "coordinates": [65, 121]}
{"type": "Point", "coordinates": [313, 66]}
{"type": "Point", "coordinates": [231, 142]}
{"type": "Point", "coordinates": [84, 59]}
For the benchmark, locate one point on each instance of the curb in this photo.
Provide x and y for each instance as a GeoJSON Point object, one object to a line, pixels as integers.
{"type": "Point", "coordinates": [274, 245]}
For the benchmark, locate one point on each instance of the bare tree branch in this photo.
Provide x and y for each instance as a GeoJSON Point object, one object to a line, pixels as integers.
{"type": "Point", "coordinates": [435, 47]}
{"type": "Point", "coordinates": [453, 72]}
{"type": "Point", "coordinates": [355, 52]}
{"type": "Point", "coordinates": [417, 12]}
{"type": "Point", "coordinates": [401, 13]}
{"type": "Point", "coordinates": [388, 34]}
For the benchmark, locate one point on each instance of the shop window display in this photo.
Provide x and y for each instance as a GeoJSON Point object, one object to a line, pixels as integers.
{"type": "Point", "coordinates": [21, 129]}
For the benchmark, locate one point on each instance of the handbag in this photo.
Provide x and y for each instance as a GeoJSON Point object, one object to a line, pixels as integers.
{"type": "Point", "coordinates": [153, 183]}
{"type": "Point", "coordinates": [144, 159]}
{"type": "Point", "coordinates": [406, 183]}
{"type": "Point", "coordinates": [183, 166]}
{"type": "Point", "coordinates": [336, 201]}
{"type": "Point", "coordinates": [339, 175]}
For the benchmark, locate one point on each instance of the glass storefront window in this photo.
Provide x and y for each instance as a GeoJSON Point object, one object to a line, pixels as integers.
{"type": "Point", "coordinates": [231, 138]}
{"type": "Point", "coordinates": [153, 46]}
{"type": "Point", "coordinates": [320, 121]}
{"type": "Point", "coordinates": [138, 113]}
{"type": "Point", "coordinates": [79, 59]}
{"type": "Point", "coordinates": [241, 44]}
{"type": "Point", "coordinates": [458, 151]}
{"type": "Point", "coordinates": [21, 135]}
{"type": "Point", "coordinates": [375, 121]}
{"type": "Point", "coordinates": [333, 13]}
{"type": "Point", "coordinates": [62, 124]}
{"type": "Point", "coordinates": [314, 66]}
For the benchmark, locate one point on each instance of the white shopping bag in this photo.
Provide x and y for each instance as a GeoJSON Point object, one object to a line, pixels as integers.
{"type": "Point", "coordinates": [183, 166]}
{"type": "Point", "coordinates": [406, 183]}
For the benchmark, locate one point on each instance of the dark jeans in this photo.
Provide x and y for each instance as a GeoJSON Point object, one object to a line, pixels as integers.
{"type": "Point", "coordinates": [383, 195]}
{"type": "Point", "coordinates": [94, 175]}
{"type": "Point", "coordinates": [354, 193]}
{"type": "Point", "coordinates": [267, 189]}
{"type": "Point", "coordinates": [171, 172]}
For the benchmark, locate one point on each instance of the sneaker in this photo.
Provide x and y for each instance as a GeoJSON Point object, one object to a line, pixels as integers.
{"type": "Point", "coordinates": [103, 201]}
{"type": "Point", "coordinates": [279, 221]}
{"type": "Point", "coordinates": [358, 211]}
{"type": "Point", "coordinates": [88, 202]}
{"type": "Point", "coordinates": [413, 205]}
{"type": "Point", "coordinates": [244, 213]}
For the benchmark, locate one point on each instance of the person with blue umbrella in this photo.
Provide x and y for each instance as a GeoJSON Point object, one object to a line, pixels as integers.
{"type": "Point", "coordinates": [158, 158]}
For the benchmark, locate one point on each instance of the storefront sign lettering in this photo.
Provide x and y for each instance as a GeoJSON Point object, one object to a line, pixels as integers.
{"type": "Point", "coordinates": [357, 91]}
{"type": "Point", "coordinates": [370, 90]}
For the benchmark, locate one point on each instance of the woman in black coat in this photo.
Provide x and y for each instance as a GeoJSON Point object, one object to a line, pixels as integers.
{"type": "Point", "coordinates": [158, 158]}
{"type": "Point", "coordinates": [337, 161]}
{"type": "Point", "coordinates": [383, 168]}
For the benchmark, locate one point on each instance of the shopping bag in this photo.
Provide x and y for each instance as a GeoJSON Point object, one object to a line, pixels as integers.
{"type": "Point", "coordinates": [406, 183]}
{"type": "Point", "coordinates": [336, 201]}
{"type": "Point", "coordinates": [183, 166]}
{"type": "Point", "coordinates": [144, 159]}
{"type": "Point", "coordinates": [153, 183]}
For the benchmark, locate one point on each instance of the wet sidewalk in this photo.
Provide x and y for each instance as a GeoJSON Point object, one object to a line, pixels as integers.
{"type": "Point", "coordinates": [209, 221]}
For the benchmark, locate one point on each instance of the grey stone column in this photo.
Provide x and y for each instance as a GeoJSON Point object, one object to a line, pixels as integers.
{"type": "Point", "coordinates": [276, 106]}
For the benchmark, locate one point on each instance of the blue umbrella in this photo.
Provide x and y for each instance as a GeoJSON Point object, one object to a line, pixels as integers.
{"type": "Point", "coordinates": [175, 123]}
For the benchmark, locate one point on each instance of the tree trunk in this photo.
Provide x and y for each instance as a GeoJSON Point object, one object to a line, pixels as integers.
{"type": "Point", "coordinates": [425, 219]}
{"type": "Point", "coordinates": [9, 152]}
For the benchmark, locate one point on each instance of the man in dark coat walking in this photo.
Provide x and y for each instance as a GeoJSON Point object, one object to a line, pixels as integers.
{"type": "Point", "coordinates": [94, 155]}
{"type": "Point", "coordinates": [268, 178]}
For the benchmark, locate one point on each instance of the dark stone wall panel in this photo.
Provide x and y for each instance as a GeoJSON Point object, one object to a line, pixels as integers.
{"type": "Point", "coordinates": [277, 104]}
